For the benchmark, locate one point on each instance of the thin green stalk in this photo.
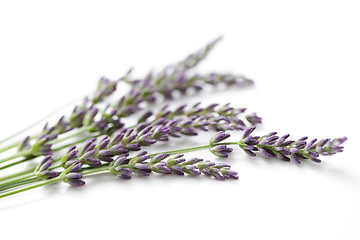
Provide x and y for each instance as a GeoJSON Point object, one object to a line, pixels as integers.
{"type": "Point", "coordinates": [43, 183]}
{"type": "Point", "coordinates": [51, 181]}
{"type": "Point", "coordinates": [74, 143]}
{"type": "Point", "coordinates": [24, 177]}
{"type": "Point", "coordinates": [20, 183]}
{"type": "Point", "coordinates": [15, 175]}
{"type": "Point", "coordinates": [16, 163]}
{"type": "Point", "coordinates": [76, 133]}
{"type": "Point", "coordinates": [16, 155]}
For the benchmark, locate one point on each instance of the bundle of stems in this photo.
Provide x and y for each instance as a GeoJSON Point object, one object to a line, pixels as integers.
{"type": "Point", "coordinates": [97, 140]}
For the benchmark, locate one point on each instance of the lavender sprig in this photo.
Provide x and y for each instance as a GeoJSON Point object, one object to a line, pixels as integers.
{"type": "Point", "coordinates": [132, 139]}
{"type": "Point", "coordinates": [271, 145]}
{"type": "Point", "coordinates": [144, 164]}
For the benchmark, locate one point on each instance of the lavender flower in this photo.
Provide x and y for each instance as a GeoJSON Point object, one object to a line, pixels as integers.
{"type": "Point", "coordinates": [271, 145]}
{"type": "Point", "coordinates": [73, 178]}
{"type": "Point", "coordinates": [42, 170]}
{"type": "Point", "coordinates": [219, 150]}
{"type": "Point", "coordinates": [166, 164]}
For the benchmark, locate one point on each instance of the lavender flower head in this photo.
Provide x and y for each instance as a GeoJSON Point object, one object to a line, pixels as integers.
{"type": "Point", "coordinates": [217, 149]}
{"type": "Point", "coordinates": [271, 145]}
{"type": "Point", "coordinates": [144, 164]}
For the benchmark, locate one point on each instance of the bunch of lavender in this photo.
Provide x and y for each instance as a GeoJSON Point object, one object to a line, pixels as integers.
{"type": "Point", "coordinates": [100, 157]}
{"type": "Point", "coordinates": [111, 152]}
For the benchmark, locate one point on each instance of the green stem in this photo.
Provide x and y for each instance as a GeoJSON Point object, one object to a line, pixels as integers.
{"type": "Point", "coordinates": [16, 155]}
{"type": "Point", "coordinates": [4, 185]}
{"type": "Point", "coordinates": [15, 175]}
{"type": "Point", "coordinates": [20, 183]}
{"type": "Point", "coordinates": [76, 133]}
{"type": "Point", "coordinates": [16, 163]}
{"type": "Point", "coordinates": [50, 181]}
{"type": "Point", "coordinates": [43, 183]}
{"type": "Point", "coordinates": [74, 143]}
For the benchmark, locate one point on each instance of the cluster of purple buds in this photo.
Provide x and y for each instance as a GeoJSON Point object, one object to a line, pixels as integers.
{"type": "Point", "coordinates": [212, 111]}
{"type": "Point", "coordinates": [175, 78]}
{"type": "Point", "coordinates": [271, 145]}
{"type": "Point", "coordinates": [104, 89]}
{"type": "Point", "coordinates": [162, 163]}
{"type": "Point", "coordinates": [83, 112]}
{"type": "Point", "coordinates": [42, 169]}
{"type": "Point", "coordinates": [41, 147]}
{"type": "Point", "coordinates": [187, 121]}
{"type": "Point", "coordinates": [71, 174]}
{"type": "Point", "coordinates": [220, 150]}
{"type": "Point", "coordinates": [120, 144]}
{"type": "Point", "coordinates": [194, 59]}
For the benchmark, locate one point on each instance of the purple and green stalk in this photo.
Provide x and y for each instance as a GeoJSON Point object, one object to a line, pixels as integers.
{"type": "Point", "coordinates": [144, 163]}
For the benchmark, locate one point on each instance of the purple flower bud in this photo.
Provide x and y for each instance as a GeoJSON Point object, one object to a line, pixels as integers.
{"type": "Point", "coordinates": [76, 168]}
{"type": "Point", "coordinates": [75, 182]}
{"type": "Point", "coordinates": [266, 153]}
{"type": "Point", "coordinates": [89, 145]}
{"type": "Point", "coordinates": [73, 175]}
{"type": "Point", "coordinates": [221, 150]}
{"type": "Point", "coordinates": [145, 116]}
{"type": "Point", "coordinates": [215, 173]}
{"type": "Point", "coordinates": [146, 130]}
{"type": "Point", "coordinates": [88, 154]}
{"type": "Point", "coordinates": [72, 154]}
{"type": "Point", "coordinates": [119, 161]}
{"type": "Point", "coordinates": [253, 119]}
{"type": "Point", "coordinates": [141, 166]}
{"type": "Point", "coordinates": [228, 173]}
{"type": "Point", "coordinates": [250, 153]}
{"type": "Point", "coordinates": [117, 137]}
{"type": "Point", "coordinates": [118, 149]}
{"type": "Point", "coordinates": [177, 170]}
{"type": "Point", "coordinates": [191, 170]}
{"type": "Point", "coordinates": [282, 139]}
{"type": "Point", "coordinates": [189, 132]}
{"type": "Point", "coordinates": [302, 139]}
{"type": "Point", "coordinates": [295, 158]}
{"type": "Point", "coordinates": [293, 150]}
{"type": "Point", "coordinates": [159, 157]}
{"type": "Point", "coordinates": [287, 143]}
{"type": "Point", "coordinates": [105, 153]}
{"type": "Point", "coordinates": [51, 174]}
{"type": "Point", "coordinates": [104, 143]}
{"type": "Point", "coordinates": [133, 147]}
{"type": "Point", "coordinates": [193, 161]}
{"type": "Point", "coordinates": [310, 144]}
{"type": "Point", "coordinates": [206, 164]}
{"type": "Point", "coordinates": [313, 155]}
{"type": "Point", "coordinates": [219, 137]}
{"type": "Point", "coordinates": [45, 165]}
{"type": "Point", "coordinates": [205, 171]}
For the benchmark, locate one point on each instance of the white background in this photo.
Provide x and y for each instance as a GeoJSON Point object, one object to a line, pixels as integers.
{"type": "Point", "coordinates": [304, 57]}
